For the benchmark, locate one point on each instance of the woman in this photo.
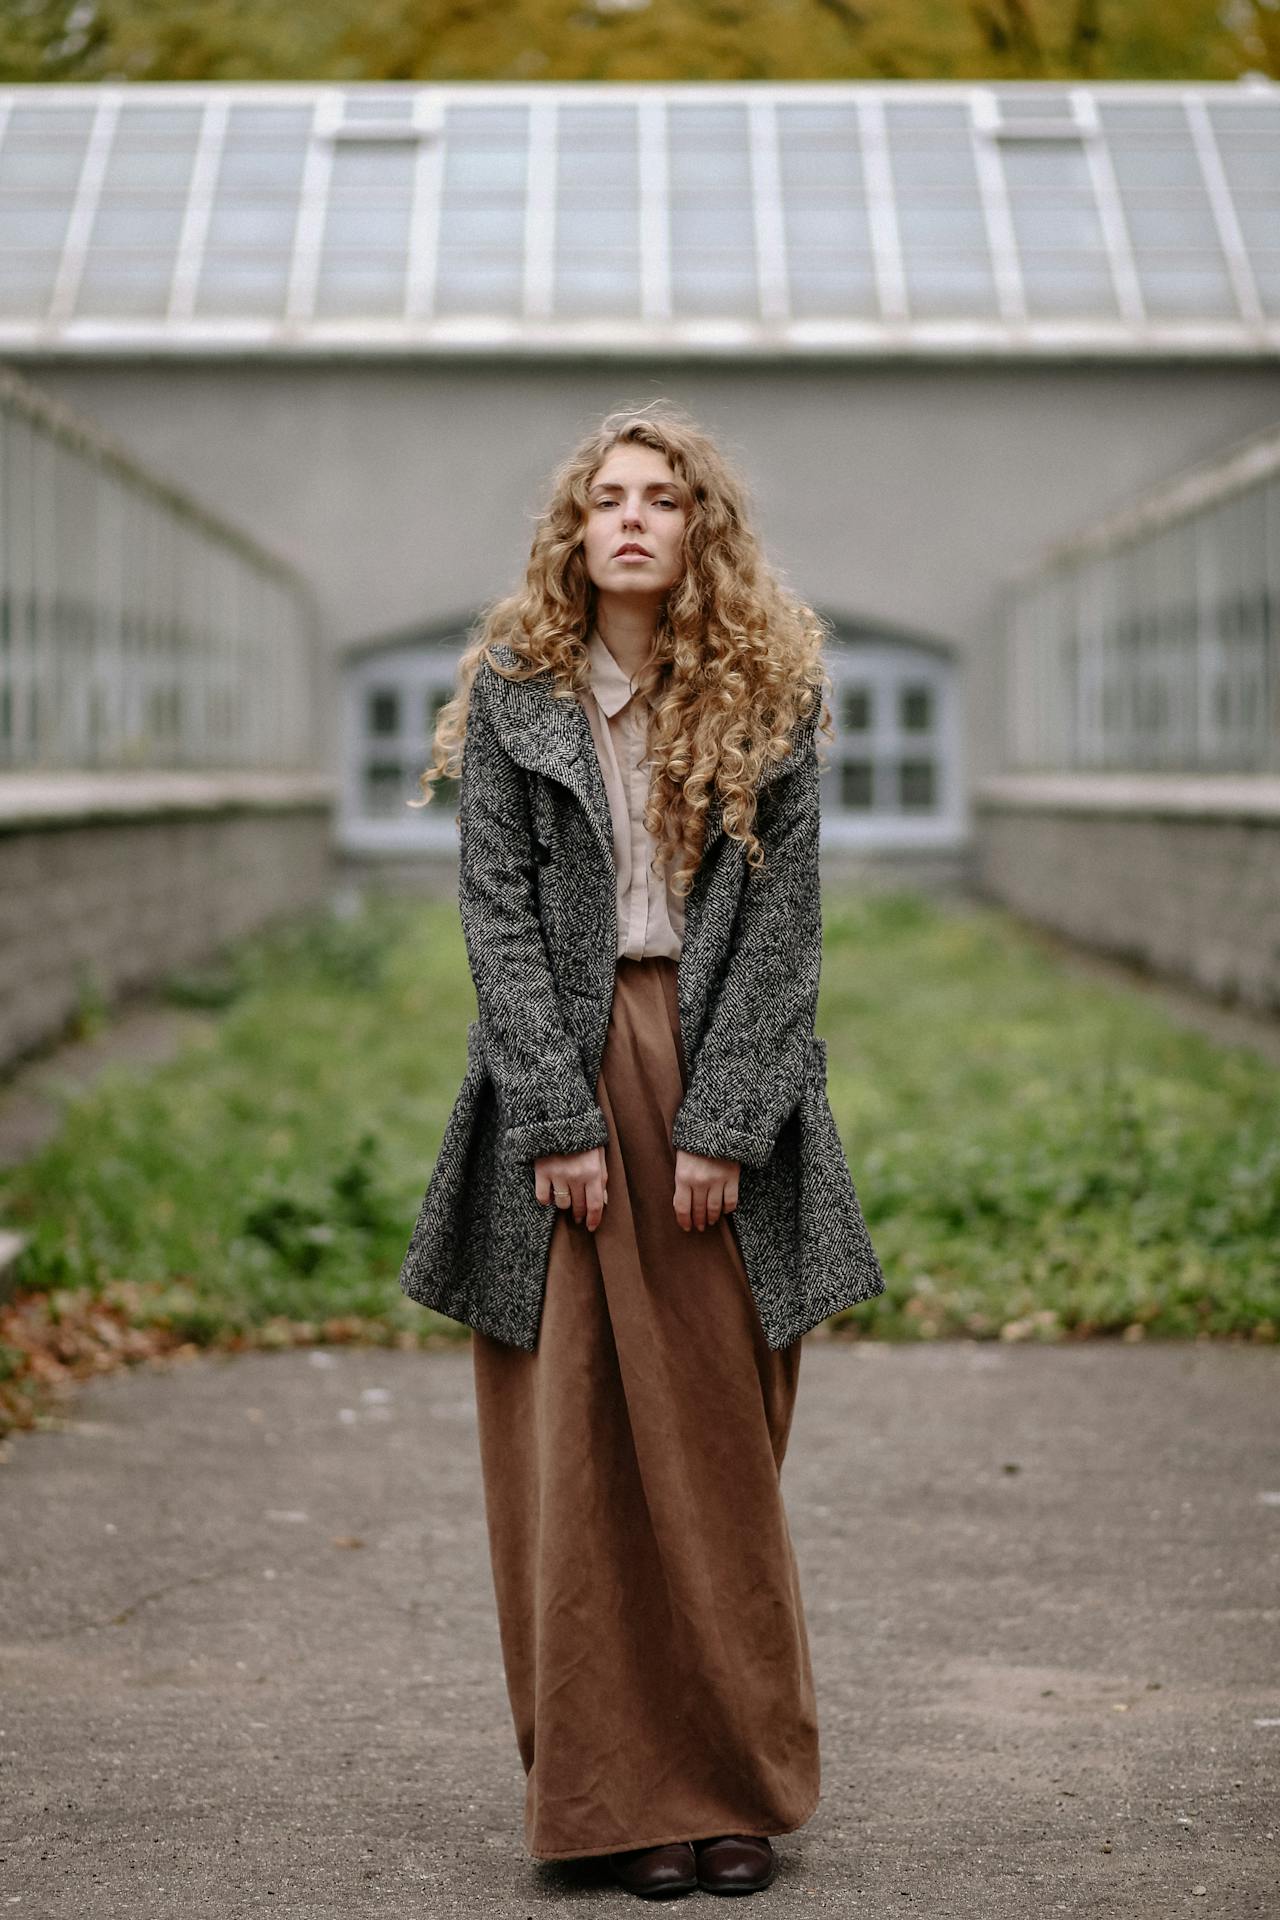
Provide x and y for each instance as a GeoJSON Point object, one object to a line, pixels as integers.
{"type": "Point", "coordinates": [641, 1201]}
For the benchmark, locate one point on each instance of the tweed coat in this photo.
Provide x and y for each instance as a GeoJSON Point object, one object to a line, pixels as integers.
{"type": "Point", "coordinates": [537, 897]}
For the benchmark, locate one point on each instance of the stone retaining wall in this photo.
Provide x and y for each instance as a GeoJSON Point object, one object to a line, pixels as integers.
{"type": "Point", "coordinates": [1179, 873]}
{"type": "Point", "coordinates": [107, 882]}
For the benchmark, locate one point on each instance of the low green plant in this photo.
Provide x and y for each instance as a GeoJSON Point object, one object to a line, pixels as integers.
{"type": "Point", "coordinates": [1037, 1157]}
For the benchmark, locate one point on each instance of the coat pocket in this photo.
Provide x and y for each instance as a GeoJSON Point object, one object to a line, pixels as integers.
{"type": "Point", "coordinates": [459, 1128]}
{"type": "Point", "coordinates": [544, 818]}
{"type": "Point", "coordinates": [430, 1271]}
{"type": "Point", "coordinates": [836, 1253]}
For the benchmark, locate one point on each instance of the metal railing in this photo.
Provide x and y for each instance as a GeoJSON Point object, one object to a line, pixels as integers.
{"type": "Point", "coordinates": [137, 629]}
{"type": "Point", "coordinates": [1152, 640]}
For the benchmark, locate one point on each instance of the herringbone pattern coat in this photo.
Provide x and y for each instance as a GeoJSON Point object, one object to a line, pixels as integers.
{"type": "Point", "coordinates": [539, 917]}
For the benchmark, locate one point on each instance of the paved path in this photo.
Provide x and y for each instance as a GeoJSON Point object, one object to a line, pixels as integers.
{"type": "Point", "coordinates": [249, 1659]}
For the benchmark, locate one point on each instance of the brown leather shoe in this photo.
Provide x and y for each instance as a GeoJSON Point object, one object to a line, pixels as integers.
{"type": "Point", "coordinates": [735, 1863]}
{"type": "Point", "coordinates": [656, 1873]}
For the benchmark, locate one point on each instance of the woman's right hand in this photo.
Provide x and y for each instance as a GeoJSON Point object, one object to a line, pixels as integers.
{"type": "Point", "coordinates": [577, 1180]}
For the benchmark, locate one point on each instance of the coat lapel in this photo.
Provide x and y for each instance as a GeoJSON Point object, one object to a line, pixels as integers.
{"type": "Point", "coordinates": [550, 735]}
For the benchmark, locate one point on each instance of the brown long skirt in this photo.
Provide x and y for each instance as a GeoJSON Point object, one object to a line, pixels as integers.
{"type": "Point", "coordinates": [649, 1606]}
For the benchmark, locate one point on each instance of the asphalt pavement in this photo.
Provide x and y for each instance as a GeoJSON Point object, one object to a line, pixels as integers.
{"type": "Point", "coordinates": [249, 1661]}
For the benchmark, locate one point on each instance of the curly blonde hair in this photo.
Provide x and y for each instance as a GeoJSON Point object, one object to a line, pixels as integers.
{"type": "Point", "coordinates": [737, 660]}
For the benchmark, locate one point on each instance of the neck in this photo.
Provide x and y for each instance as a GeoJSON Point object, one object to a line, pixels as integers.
{"type": "Point", "coordinates": [627, 624]}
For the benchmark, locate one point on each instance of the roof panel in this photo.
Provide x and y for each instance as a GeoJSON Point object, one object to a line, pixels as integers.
{"type": "Point", "coordinates": [730, 219]}
{"type": "Point", "coordinates": [1077, 285]}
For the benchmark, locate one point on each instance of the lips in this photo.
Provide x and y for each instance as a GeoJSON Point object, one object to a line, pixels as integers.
{"type": "Point", "coordinates": [631, 547]}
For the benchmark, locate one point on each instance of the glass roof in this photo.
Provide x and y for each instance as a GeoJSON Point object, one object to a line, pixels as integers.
{"type": "Point", "coordinates": [731, 220]}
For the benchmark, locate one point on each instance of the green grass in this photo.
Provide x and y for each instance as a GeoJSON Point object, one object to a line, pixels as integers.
{"type": "Point", "coordinates": [1026, 1144]}
{"type": "Point", "coordinates": [1034, 1155]}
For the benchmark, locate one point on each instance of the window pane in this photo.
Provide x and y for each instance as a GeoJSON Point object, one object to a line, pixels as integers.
{"type": "Point", "coordinates": [598, 223]}
{"type": "Point", "coordinates": [253, 225]}
{"type": "Point", "coordinates": [384, 788]}
{"type": "Point", "coordinates": [465, 230]}
{"type": "Point", "coordinates": [360, 229]}
{"type": "Point", "coordinates": [479, 283]}
{"type": "Point", "coordinates": [939, 286]}
{"type": "Point", "coordinates": [817, 228]}
{"type": "Point", "coordinates": [134, 284]}
{"type": "Point", "coordinates": [375, 174]}
{"type": "Point", "coordinates": [255, 212]}
{"type": "Point", "coordinates": [482, 211]}
{"type": "Point", "coordinates": [855, 708]}
{"type": "Point", "coordinates": [38, 224]}
{"type": "Point", "coordinates": [856, 784]}
{"type": "Point", "coordinates": [1051, 168]}
{"type": "Point", "coordinates": [1068, 284]}
{"type": "Point", "coordinates": [235, 284]}
{"type": "Point", "coordinates": [156, 224]}
{"type": "Point", "coordinates": [350, 286]}
{"type": "Point", "coordinates": [916, 785]}
{"type": "Point", "coordinates": [597, 284]}
{"type": "Point", "coordinates": [915, 708]}
{"type": "Point", "coordinates": [712, 228]}
{"type": "Point", "coordinates": [823, 287]}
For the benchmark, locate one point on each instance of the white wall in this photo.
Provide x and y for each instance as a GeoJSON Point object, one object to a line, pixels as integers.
{"type": "Point", "coordinates": [895, 493]}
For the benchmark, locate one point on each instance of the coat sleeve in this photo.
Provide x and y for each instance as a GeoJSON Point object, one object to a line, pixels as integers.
{"type": "Point", "coordinates": [544, 1101]}
{"type": "Point", "coordinates": [751, 1063]}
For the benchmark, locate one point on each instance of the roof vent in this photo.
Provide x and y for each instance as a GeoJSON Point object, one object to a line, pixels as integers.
{"type": "Point", "coordinates": [380, 133]}
{"type": "Point", "coordinates": [370, 119]}
{"type": "Point", "coordinates": [1023, 115]}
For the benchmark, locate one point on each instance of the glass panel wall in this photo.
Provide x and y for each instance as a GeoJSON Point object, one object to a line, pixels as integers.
{"type": "Point", "coordinates": [1154, 641]}
{"type": "Point", "coordinates": [136, 629]}
{"type": "Point", "coordinates": [151, 209]}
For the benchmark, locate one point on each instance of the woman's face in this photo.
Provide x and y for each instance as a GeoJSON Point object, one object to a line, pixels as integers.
{"type": "Point", "coordinates": [635, 523]}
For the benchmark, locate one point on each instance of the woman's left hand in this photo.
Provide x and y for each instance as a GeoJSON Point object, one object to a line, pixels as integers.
{"type": "Point", "coordinates": [704, 1189]}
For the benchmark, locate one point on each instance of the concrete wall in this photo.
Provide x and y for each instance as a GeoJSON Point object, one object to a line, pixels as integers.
{"type": "Point", "coordinates": [107, 883]}
{"type": "Point", "coordinates": [898, 493]}
{"type": "Point", "coordinates": [1181, 876]}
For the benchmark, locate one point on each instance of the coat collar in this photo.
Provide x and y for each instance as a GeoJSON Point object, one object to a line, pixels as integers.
{"type": "Point", "coordinates": [547, 733]}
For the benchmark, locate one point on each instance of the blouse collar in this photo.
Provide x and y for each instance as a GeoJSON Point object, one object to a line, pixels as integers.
{"type": "Point", "coordinates": [609, 683]}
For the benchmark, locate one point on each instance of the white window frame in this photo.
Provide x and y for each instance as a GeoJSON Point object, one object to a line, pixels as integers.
{"type": "Point", "coordinates": [887, 664]}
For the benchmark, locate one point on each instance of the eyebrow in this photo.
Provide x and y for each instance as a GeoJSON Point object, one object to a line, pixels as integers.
{"type": "Point", "coordinates": [654, 486]}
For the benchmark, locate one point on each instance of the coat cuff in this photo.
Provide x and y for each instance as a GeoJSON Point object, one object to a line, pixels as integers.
{"type": "Point", "coordinates": [564, 1133]}
{"type": "Point", "coordinates": [717, 1141]}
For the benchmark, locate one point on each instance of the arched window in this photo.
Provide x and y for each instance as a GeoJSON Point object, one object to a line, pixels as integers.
{"type": "Point", "coordinates": [893, 774]}
{"type": "Point", "coordinates": [392, 692]}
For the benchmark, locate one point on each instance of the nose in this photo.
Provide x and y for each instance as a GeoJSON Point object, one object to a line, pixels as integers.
{"type": "Point", "coordinates": [632, 515]}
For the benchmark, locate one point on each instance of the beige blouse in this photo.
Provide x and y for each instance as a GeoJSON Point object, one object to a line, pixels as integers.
{"type": "Point", "coordinates": [650, 916]}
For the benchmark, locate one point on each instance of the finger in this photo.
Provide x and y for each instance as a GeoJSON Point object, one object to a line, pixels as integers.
{"type": "Point", "coordinates": [595, 1203]}
{"type": "Point", "coordinates": [681, 1204]}
{"type": "Point", "coordinates": [700, 1208]}
{"type": "Point", "coordinates": [578, 1189]}
{"type": "Point", "coordinates": [715, 1196]}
